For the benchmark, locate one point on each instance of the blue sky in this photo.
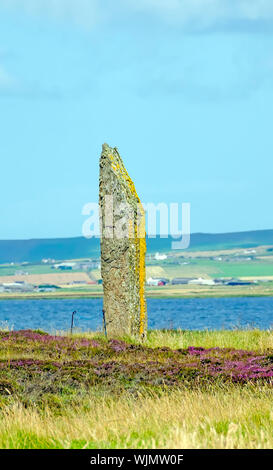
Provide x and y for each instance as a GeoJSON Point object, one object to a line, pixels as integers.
{"type": "Point", "coordinates": [184, 89]}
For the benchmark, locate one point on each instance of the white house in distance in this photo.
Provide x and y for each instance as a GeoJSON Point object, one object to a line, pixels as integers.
{"type": "Point", "coordinates": [64, 265]}
{"type": "Point", "coordinates": [151, 281]}
{"type": "Point", "coordinates": [160, 257]}
{"type": "Point", "coordinates": [202, 282]}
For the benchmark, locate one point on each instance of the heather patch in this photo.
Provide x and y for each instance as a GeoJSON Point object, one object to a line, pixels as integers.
{"type": "Point", "coordinates": [183, 391]}
{"type": "Point", "coordinates": [64, 365]}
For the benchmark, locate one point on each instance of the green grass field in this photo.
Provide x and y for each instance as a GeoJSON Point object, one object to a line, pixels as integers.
{"type": "Point", "coordinates": [234, 263]}
{"type": "Point", "coordinates": [30, 269]}
{"type": "Point", "coordinates": [212, 268]}
{"type": "Point", "coordinates": [85, 392]}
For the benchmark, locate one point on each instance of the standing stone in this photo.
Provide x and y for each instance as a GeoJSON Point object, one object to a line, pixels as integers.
{"type": "Point", "coordinates": [123, 248]}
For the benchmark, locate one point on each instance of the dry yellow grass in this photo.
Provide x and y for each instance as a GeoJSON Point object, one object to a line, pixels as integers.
{"type": "Point", "coordinates": [260, 250]}
{"type": "Point", "coordinates": [231, 418]}
{"type": "Point", "coordinates": [257, 340]}
{"type": "Point", "coordinates": [155, 271]}
{"type": "Point", "coordinates": [258, 278]}
{"type": "Point", "coordinates": [54, 278]}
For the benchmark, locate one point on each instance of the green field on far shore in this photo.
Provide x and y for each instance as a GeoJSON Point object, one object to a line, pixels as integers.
{"type": "Point", "coordinates": [193, 268]}
{"type": "Point", "coordinates": [255, 265]}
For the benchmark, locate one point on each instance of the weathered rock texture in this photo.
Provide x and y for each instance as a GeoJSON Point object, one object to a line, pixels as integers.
{"type": "Point", "coordinates": [123, 248]}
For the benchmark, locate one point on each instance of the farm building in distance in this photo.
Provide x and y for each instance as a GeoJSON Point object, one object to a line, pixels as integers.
{"type": "Point", "coordinates": [202, 282]}
{"type": "Point", "coordinates": [181, 280]}
{"type": "Point", "coordinates": [85, 265]}
{"type": "Point", "coordinates": [16, 287]}
{"type": "Point", "coordinates": [47, 288]}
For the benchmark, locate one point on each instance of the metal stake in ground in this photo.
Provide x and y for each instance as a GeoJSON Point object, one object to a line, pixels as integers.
{"type": "Point", "coordinates": [72, 321]}
{"type": "Point", "coordinates": [104, 323]}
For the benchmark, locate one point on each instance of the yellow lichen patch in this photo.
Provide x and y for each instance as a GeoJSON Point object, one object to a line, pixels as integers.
{"type": "Point", "coordinates": [131, 229]}
{"type": "Point", "coordinates": [142, 275]}
{"type": "Point", "coordinates": [140, 253]}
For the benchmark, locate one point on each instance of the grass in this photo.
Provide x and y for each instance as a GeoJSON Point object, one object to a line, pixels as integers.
{"type": "Point", "coordinates": [213, 268]}
{"type": "Point", "coordinates": [255, 339]}
{"type": "Point", "coordinates": [250, 268]}
{"type": "Point", "coordinates": [217, 418]}
{"type": "Point", "coordinates": [29, 268]}
{"type": "Point", "coordinates": [85, 392]}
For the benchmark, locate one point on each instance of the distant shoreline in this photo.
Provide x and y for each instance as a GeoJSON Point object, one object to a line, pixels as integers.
{"type": "Point", "coordinates": [166, 292]}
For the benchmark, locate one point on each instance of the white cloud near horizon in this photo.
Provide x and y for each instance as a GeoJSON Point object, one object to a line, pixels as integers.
{"type": "Point", "coordinates": [207, 10]}
{"type": "Point", "coordinates": [83, 13]}
{"type": "Point", "coordinates": [191, 14]}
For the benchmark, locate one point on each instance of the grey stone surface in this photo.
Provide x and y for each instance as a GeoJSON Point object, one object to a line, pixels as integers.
{"type": "Point", "coordinates": [123, 248]}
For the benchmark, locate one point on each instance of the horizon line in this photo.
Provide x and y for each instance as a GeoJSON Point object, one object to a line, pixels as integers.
{"type": "Point", "coordinates": [157, 235]}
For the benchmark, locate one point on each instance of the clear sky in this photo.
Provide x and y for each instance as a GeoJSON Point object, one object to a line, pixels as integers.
{"type": "Point", "coordinates": [183, 88]}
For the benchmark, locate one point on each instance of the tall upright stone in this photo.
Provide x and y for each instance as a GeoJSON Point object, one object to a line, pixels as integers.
{"type": "Point", "coordinates": [123, 248]}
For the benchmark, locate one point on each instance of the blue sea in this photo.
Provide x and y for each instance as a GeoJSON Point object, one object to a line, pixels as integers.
{"type": "Point", "coordinates": [195, 314]}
